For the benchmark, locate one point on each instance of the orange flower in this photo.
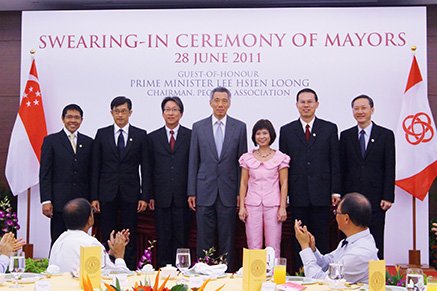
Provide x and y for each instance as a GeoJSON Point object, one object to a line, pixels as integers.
{"type": "Point", "coordinates": [86, 282]}
{"type": "Point", "coordinates": [109, 287]}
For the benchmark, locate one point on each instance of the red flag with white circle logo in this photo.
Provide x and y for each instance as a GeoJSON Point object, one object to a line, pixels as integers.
{"type": "Point", "coordinates": [416, 143]}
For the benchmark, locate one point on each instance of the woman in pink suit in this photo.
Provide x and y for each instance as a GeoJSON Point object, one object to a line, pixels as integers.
{"type": "Point", "coordinates": [263, 189]}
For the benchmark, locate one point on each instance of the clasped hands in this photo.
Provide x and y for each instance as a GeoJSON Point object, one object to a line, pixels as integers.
{"type": "Point", "coordinates": [9, 244]}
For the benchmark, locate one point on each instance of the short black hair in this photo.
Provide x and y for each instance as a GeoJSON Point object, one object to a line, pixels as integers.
{"type": "Point", "coordinates": [365, 97]}
{"type": "Point", "coordinates": [76, 213]}
{"type": "Point", "coordinates": [120, 100]}
{"type": "Point", "coordinates": [358, 207]}
{"type": "Point", "coordinates": [264, 124]}
{"type": "Point", "coordinates": [221, 90]}
{"type": "Point", "coordinates": [72, 107]}
{"type": "Point", "coordinates": [176, 100]}
{"type": "Point", "coordinates": [307, 90]}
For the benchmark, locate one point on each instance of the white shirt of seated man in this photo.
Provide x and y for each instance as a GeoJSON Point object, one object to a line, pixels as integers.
{"type": "Point", "coordinates": [354, 252]}
{"type": "Point", "coordinates": [65, 252]}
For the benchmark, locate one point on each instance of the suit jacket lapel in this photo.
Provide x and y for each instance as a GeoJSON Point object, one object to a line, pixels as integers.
{"type": "Point", "coordinates": [164, 140]}
{"type": "Point", "coordinates": [299, 132]}
{"type": "Point", "coordinates": [111, 140]}
{"type": "Point", "coordinates": [356, 142]}
{"type": "Point", "coordinates": [65, 141]}
{"type": "Point", "coordinates": [314, 131]}
{"type": "Point", "coordinates": [373, 138]}
{"type": "Point", "coordinates": [179, 139]}
{"type": "Point", "coordinates": [229, 133]}
{"type": "Point", "coordinates": [209, 136]}
{"type": "Point", "coordinates": [130, 138]}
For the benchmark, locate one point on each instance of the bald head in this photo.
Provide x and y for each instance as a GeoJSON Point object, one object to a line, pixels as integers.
{"type": "Point", "coordinates": [76, 213]}
{"type": "Point", "coordinates": [358, 208]}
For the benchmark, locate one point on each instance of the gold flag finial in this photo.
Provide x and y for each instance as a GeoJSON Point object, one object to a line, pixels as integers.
{"type": "Point", "coordinates": [32, 52]}
{"type": "Point", "coordinates": [413, 48]}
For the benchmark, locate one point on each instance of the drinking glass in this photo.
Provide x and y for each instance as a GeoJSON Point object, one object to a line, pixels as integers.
{"type": "Point", "coordinates": [17, 265]}
{"type": "Point", "coordinates": [279, 271]}
{"type": "Point", "coordinates": [183, 259]}
{"type": "Point", "coordinates": [336, 273]}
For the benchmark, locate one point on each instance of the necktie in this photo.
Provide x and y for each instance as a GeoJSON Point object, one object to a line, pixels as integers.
{"type": "Point", "coordinates": [362, 143]}
{"type": "Point", "coordinates": [172, 140]}
{"type": "Point", "coordinates": [218, 138]}
{"type": "Point", "coordinates": [120, 143]}
{"type": "Point", "coordinates": [307, 132]}
{"type": "Point", "coordinates": [344, 243]}
{"type": "Point", "coordinates": [73, 143]}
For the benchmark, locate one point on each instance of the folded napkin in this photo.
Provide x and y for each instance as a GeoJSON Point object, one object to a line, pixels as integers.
{"type": "Point", "coordinates": [53, 269]}
{"type": "Point", "coordinates": [147, 268]}
{"type": "Point", "coordinates": [204, 269]}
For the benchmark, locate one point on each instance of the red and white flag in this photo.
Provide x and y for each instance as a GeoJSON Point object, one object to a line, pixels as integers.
{"type": "Point", "coordinates": [22, 164]}
{"type": "Point", "coordinates": [416, 141]}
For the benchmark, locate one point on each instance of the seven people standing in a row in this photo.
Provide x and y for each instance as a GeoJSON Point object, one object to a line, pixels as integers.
{"type": "Point", "coordinates": [209, 171]}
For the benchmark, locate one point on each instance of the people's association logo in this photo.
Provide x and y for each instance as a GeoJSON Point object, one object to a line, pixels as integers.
{"type": "Point", "coordinates": [418, 128]}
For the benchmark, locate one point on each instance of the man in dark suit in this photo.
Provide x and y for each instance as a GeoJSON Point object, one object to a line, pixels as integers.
{"type": "Point", "coordinates": [65, 168]}
{"type": "Point", "coordinates": [119, 152]}
{"type": "Point", "coordinates": [169, 148]}
{"type": "Point", "coordinates": [314, 174]}
{"type": "Point", "coordinates": [367, 154]}
{"type": "Point", "coordinates": [217, 142]}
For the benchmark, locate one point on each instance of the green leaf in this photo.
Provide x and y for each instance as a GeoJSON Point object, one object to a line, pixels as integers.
{"type": "Point", "coordinates": [179, 287]}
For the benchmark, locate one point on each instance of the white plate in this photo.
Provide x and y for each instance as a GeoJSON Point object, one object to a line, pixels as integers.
{"type": "Point", "coordinates": [301, 280]}
{"type": "Point", "coordinates": [26, 278]}
{"type": "Point", "coordinates": [108, 276]}
{"type": "Point", "coordinates": [191, 273]}
{"type": "Point", "coordinates": [45, 273]}
{"type": "Point", "coordinates": [394, 288]}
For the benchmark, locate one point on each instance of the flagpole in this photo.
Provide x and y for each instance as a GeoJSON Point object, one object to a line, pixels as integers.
{"type": "Point", "coordinates": [28, 247]}
{"type": "Point", "coordinates": [414, 254]}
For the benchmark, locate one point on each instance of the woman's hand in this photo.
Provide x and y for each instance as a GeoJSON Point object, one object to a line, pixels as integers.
{"type": "Point", "coordinates": [242, 213]}
{"type": "Point", "coordinates": [282, 214]}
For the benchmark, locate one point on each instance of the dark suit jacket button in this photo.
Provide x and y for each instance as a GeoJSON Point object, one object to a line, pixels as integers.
{"type": "Point", "coordinates": [308, 163]}
{"type": "Point", "coordinates": [75, 159]}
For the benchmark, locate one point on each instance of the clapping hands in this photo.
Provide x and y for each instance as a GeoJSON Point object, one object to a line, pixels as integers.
{"type": "Point", "coordinates": [117, 243]}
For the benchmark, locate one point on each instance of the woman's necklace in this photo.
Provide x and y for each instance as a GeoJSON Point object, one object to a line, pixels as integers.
{"type": "Point", "coordinates": [258, 152]}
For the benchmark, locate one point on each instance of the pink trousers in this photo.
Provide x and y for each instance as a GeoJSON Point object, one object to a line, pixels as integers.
{"type": "Point", "coordinates": [262, 221]}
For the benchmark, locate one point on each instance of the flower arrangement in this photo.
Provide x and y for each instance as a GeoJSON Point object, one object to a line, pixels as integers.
{"type": "Point", "coordinates": [8, 217]}
{"type": "Point", "coordinates": [147, 287]}
{"type": "Point", "coordinates": [209, 258]}
{"type": "Point", "coordinates": [146, 258]}
{"type": "Point", "coordinates": [398, 279]}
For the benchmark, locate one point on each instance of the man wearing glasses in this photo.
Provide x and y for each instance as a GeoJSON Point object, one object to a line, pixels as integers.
{"type": "Point", "coordinates": [65, 168]}
{"type": "Point", "coordinates": [169, 148]}
{"type": "Point", "coordinates": [119, 153]}
{"type": "Point", "coordinates": [353, 216]}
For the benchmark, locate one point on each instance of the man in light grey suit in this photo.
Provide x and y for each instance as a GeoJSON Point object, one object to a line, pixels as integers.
{"type": "Point", "coordinates": [217, 142]}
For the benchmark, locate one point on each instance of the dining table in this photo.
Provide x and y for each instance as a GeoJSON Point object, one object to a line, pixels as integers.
{"type": "Point", "coordinates": [66, 281]}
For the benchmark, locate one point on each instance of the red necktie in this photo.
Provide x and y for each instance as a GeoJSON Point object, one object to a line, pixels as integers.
{"type": "Point", "coordinates": [307, 132]}
{"type": "Point", "coordinates": [172, 140]}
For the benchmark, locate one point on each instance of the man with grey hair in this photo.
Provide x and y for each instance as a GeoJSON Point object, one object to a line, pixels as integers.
{"type": "Point", "coordinates": [353, 216]}
{"type": "Point", "coordinates": [217, 142]}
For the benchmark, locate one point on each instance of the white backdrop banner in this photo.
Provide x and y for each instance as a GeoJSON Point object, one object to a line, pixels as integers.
{"type": "Point", "coordinates": [264, 56]}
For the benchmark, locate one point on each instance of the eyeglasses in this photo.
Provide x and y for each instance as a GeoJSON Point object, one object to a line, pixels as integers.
{"type": "Point", "coordinates": [75, 117]}
{"type": "Point", "coordinates": [122, 111]}
{"type": "Point", "coordinates": [172, 110]}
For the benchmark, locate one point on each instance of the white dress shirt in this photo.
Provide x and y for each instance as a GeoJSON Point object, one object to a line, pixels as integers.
{"type": "Point", "coordinates": [304, 124]}
{"type": "Point", "coordinates": [368, 131]}
{"type": "Point", "coordinates": [117, 133]}
{"type": "Point", "coordinates": [65, 252]}
{"type": "Point", "coordinates": [175, 132]}
{"type": "Point", "coordinates": [4, 263]}
{"type": "Point", "coordinates": [355, 257]}
{"type": "Point", "coordinates": [215, 125]}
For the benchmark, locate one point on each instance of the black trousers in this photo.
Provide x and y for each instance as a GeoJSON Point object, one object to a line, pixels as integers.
{"type": "Point", "coordinates": [117, 215]}
{"type": "Point", "coordinates": [172, 227]}
{"type": "Point", "coordinates": [57, 226]}
{"type": "Point", "coordinates": [216, 221]}
{"type": "Point", "coordinates": [376, 228]}
{"type": "Point", "coordinates": [317, 221]}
